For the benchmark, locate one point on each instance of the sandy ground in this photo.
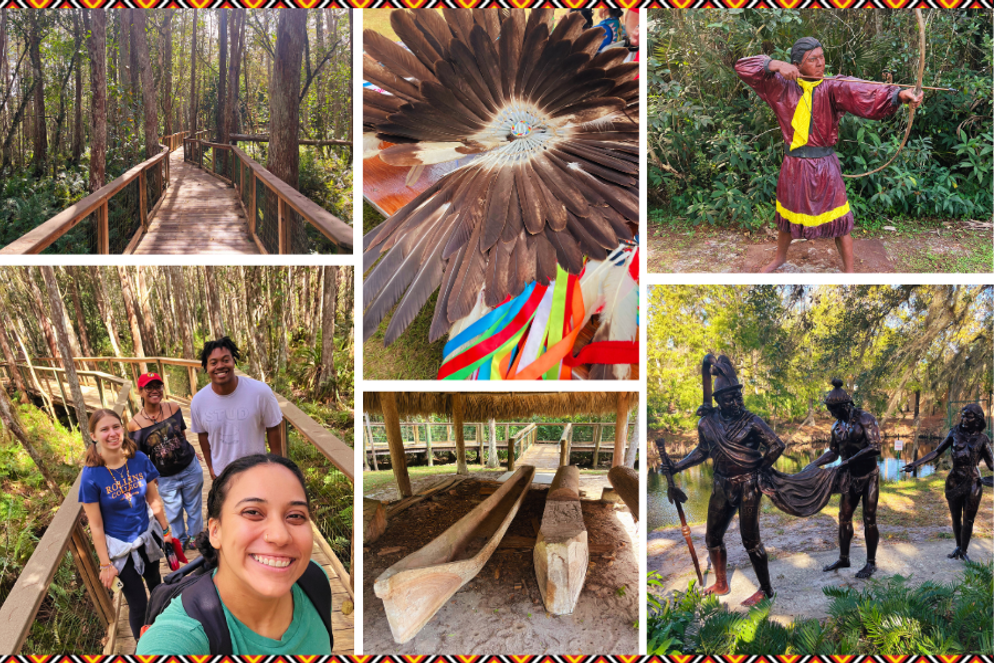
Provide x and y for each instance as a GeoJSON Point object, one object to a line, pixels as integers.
{"type": "Point", "coordinates": [500, 611]}
{"type": "Point", "coordinates": [798, 579]}
{"type": "Point", "coordinates": [722, 250]}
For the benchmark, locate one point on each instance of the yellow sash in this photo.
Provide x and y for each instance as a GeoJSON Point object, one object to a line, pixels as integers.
{"type": "Point", "coordinates": [801, 121]}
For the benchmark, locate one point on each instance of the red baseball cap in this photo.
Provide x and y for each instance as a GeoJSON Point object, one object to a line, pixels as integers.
{"type": "Point", "coordinates": [148, 377]}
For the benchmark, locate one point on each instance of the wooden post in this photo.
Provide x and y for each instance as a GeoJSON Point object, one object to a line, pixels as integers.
{"type": "Point", "coordinates": [191, 375]}
{"type": "Point", "coordinates": [284, 439]}
{"type": "Point", "coordinates": [91, 576]}
{"type": "Point", "coordinates": [281, 225]}
{"type": "Point", "coordinates": [100, 390]}
{"type": "Point", "coordinates": [620, 429]}
{"type": "Point", "coordinates": [417, 436]}
{"type": "Point", "coordinates": [479, 441]}
{"type": "Point", "coordinates": [397, 457]}
{"type": "Point", "coordinates": [597, 442]}
{"type": "Point", "coordinates": [460, 440]}
{"type": "Point", "coordinates": [565, 445]}
{"type": "Point", "coordinates": [625, 482]}
{"type": "Point", "coordinates": [510, 453]}
{"type": "Point", "coordinates": [429, 454]}
{"type": "Point", "coordinates": [251, 210]}
{"type": "Point", "coordinates": [372, 443]}
{"type": "Point", "coordinates": [103, 230]}
{"type": "Point", "coordinates": [143, 199]}
{"type": "Point", "coordinates": [165, 379]}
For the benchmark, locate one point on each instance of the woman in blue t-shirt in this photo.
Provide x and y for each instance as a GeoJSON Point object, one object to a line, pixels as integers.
{"type": "Point", "coordinates": [117, 488]}
{"type": "Point", "coordinates": [258, 541]}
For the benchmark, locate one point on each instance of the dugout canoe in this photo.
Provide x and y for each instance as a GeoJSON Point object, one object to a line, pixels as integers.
{"type": "Point", "coordinates": [416, 587]}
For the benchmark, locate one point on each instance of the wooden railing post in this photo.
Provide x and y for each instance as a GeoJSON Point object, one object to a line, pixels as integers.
{"type": "Point", "coordinates": [91, 576]}
{"type": "Point", "coordinates": [143, 199]}
{"type": "Point", "coordinates": [597, 443]}
{"type": "Point", "coordinates": [103, 230]}
{"type": "Point", "coordinates": [251, 220]}
{"type": "Point", "coordinates": [165, 379]}
{"type": "Point", "coordinates": [191, 374]}
{"type": "Point", "coordinates": [281, 225]}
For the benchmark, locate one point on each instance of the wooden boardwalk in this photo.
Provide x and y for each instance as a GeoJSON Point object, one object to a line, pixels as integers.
{"type": "Point", "coordinates": [342, 625]}
{"type": "Point", "coordinates": [199, 214]}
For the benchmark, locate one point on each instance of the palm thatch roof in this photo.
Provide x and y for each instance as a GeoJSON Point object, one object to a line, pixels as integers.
{"type": "Point", "coordinates": [507, 406]}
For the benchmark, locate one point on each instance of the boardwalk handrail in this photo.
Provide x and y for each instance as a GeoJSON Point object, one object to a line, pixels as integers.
{"type": "Point", "coordinates": [21, 606]}
{"type": "Point", "coordinates": [19, 610]}
{"type": "Point", "coordinates": [246, 179]}
{"type": "Point", "coordinates": [97, 202]}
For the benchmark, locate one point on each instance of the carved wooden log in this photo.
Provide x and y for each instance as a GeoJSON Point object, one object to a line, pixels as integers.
{"type": "Point", "coordinates": [416, 587]}
{"type": "Point", "coordinates": [561, 551]}
{"type": "Point", "coordinates": [374, 519]}
{"type": "Point", "coordinates": [625, 481]}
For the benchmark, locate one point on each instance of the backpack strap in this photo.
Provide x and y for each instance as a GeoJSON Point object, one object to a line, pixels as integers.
{"type": "Point", "coordinates": [314, 582]}
{"type": "Point", "coordinates": [201, 602]}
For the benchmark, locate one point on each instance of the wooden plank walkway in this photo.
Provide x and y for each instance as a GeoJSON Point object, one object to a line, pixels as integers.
{"type": "Point", "coordinates": [342, 625]}
{"type": "Point", "coordinates": [199, 214]}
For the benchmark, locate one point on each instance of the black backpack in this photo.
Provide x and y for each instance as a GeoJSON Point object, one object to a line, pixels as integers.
{"type": "Point", "coordinates": [194, 584]}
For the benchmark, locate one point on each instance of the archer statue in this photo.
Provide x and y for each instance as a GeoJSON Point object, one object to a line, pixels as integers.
{"type": "Point", "coordinates": [811, 197]}
{"type": "Point", "coordinates": [964, 486]}
{"type": "Point", "coordinates": [740, 446]}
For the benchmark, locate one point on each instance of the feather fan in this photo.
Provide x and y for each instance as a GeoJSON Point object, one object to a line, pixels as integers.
{"type": "Point", "coordinates": [548, 128]}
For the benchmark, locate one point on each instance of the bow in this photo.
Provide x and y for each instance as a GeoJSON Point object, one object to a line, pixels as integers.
{"type": "Point", "coordinates": [918, 89]}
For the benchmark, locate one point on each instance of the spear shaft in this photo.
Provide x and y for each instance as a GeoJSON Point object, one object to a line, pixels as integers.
{"type": "Point", "coordinates": [661, 447]}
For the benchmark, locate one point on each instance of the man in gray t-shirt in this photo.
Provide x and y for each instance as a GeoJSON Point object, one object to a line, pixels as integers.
{"type": "Point", "coordinates": [233, 416]}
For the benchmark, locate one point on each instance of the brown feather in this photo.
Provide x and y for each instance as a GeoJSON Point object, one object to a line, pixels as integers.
{"type": "Point", "coordinates": [601, 157]}
{"type": "Point", "coordinates": [498, 199]}
{"type": "Point", "coordinates": [439, 96]}
{"type": "Point", "coordinates": [524, 261]}
{"type": "Point", "coordinates": [608, 174]}
{"type": "Point", "coordinates": [380, 101]}
{"type": "Point", "coordinates": [589, 42]}
{"type": "Point", "coordinates": [375, 281]}
{"type": "Point", "coordinates": [464, 62]}
{"type": "Point", "coordinates": [489, 21]}
{"type": "Point", "coordinates": [585, 240]}
{"type": "Point", "coordinates": [435, 30]}
{"type": "Point", "coordinates": [387, 80]}
{"type": "Point", "coordinates": [623, 73]}
{"type": "Point", "coordinates": [495, 285]}
{"type": "Point", "coordinates": [470, 279]}
{"type": "Point", "coordinates": [515, 286]}
{"type": "Point", "coordinates": [394, 57]}
{"type": "Point", "coordinates": [561, 187]}
{"type": "Point", "coordinates": [460, 22]}
{"type": "Point", "coordinates": [545, 259]}
{"type": "Point", "coordinates": [551, 64]}
{"type": "Point", "coordinates": [618, 222]}
{"type": "Point", "coordinates": [440, 324]}
{"type": "Point", "coordinates": [590, 109]}
{"type": "Point", "coordinates": [452, 81]}
{"type": "Point", "coordinates": [509, 45]}
{"type": "Point", "coordinates": [530, 198]}
{"type": "Point", "coordinates": [535, 40]}
{"type": "Point", "coordinates": [610, 57]}
{"type": "Point", "coordinates": [513, 225]}
{"type": "Point", "coordinates": [489, 62]}
{"type": "Point", "coordinates": [586, 84]}
{"type": "Point", "coordinates": [567, 250]}
{"type": "Point", "coordinates": [402, 22]}
{"type": "Point", "coordinates": [385, 229]}
{"type": "Point", "coordinates": [617, 197]}
{"type": "Point", "coordinates": [539, 17]}
{"type": "Point", "coordinates": [629, 91]}
{"type": "Point", "coordinates": [568, 28]}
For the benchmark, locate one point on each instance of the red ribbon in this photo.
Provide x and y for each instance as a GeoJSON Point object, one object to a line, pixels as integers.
{"type": "Point", "coordinates": [606, 352]}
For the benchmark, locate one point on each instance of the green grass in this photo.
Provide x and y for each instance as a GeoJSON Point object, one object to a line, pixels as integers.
{"type": "Point", "coordinates": [980, 259]}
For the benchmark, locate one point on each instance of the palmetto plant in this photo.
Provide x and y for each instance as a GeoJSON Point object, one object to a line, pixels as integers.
{"type": "Point", "coordinates": [549, 129]}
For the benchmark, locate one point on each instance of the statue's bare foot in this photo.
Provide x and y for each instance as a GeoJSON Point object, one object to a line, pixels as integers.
{"type": "Point", "coordinates": [867, 570]}
{"type": "Point", "coordinates": [718, 589]}
{"type": "Point", "coordinates": [837, 564]}
{"type": "Point", "coordinates": [774, 265]}
{"type": "Point", "coordinates": [755, 598]}
{"type": "Point", "coordinates": [955, 554]}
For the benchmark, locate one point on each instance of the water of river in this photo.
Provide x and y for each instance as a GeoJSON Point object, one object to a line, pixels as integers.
{"type": "Point", "coordinates": [696, 481]}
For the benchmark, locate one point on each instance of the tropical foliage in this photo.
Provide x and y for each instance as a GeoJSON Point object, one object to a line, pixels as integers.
{"type": "Point", "coordinates": [715, 149]}
{"type": "Point", "coordinates": [787, 343]}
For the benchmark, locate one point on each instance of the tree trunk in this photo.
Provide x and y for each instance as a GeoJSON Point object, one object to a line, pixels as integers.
{"type": "Point", "coordinates": [59, 315]}
{"type": "Point", "coordinates": [284, 110]}
{"type": "Point", "coordinates": [140, 47]}
{"type": "Point", "coordinates": [212, 301]}
{"type": "Point", "coordinates": [492, 460]}
{"type": "Point", "coordinates": [103, 303]}
{"type": "Point", "coordinates": [41, 312]}
{"type": "Point", "coordinates": [12, 423]}
{"type": "Point", "coordinates": [193, 79]}
{"type": "Point", "coordinates": [96, 25]}
{"type": "Point", "coordinates": [167, 74]}
{"type": "Point", "coordinates": [40, 132]}
{"type": "Point", "coordinates": [77, 135]}
{"type": "Point", "coordinates": [329, 383]}
{"type": "Point", "coordinates": [633, 443]}
{"type": "Point", "coordinates": [222, 95]}
{"type": "Point", "coordinates": [15, 372]}
{"type": "Point", "coordinates": [149, 332]}
{"type": "Point", "coordinates": [132, 311]}
{"type": "Point", "coordinates": [183, 306]}
{"type": "Point", "coordinates": [234, 70]}
{"type": "Point", "coordinates": [319, 28]}
{"type": "Point", "coordinates": [84, 336]}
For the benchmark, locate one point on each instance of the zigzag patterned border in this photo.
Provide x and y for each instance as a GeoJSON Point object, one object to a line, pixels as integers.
{"type": "Point", "coordinates": [497, 659]}
{"type": "Point", "coordinates": [561, 4]}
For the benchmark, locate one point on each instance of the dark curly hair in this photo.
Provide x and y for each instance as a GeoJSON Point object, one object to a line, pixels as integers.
{"type": "Point", "coordinates": [219, 492]}
{"type": "Point", "coordinates": [223, 344]}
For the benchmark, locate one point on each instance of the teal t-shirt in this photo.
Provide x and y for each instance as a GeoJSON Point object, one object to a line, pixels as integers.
{"type": "Point", "coordinates": [176, 633]}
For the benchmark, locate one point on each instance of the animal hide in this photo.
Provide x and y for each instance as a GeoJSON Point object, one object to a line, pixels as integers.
{"type": "Point", "coordinates": [548, 128]}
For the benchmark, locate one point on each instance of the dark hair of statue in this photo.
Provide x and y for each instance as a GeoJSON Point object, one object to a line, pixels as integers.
{"type": "Point", "coordinates": [220, 344]}
{"type": "Point", "coordinates": [93, 457]}
{"type": "Point", "coordinates": [219, 492]}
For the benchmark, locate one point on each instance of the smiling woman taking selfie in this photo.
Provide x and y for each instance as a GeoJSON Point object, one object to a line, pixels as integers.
{"type": "Point", "coordinates": [257, 547]}
{"type": "Point", "coordinates": [117, 489]}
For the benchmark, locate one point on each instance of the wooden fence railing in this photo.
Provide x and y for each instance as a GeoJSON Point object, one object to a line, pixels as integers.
{"type": "Point", "coordinates": [116, 228]}
{"type": "Point", "coordinates": [518, 444]}
{"type": "Point", "coordinates": [268, 219]}
{"type": "Point", "coordinates": [21, 606]}
{"type": "Point", "coordinates": [19, 610]}
{"type": "Point", "coordinates": [417, 442]}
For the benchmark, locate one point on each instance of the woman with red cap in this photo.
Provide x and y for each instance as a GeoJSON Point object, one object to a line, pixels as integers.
{"type": "Point", "coordinates": [157, 431]}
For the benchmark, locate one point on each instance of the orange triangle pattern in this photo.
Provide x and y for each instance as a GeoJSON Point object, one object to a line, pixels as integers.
{"type": "Point", "coordinates": [521, 4]}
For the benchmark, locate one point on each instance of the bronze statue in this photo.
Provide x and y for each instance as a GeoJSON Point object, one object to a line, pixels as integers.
{"type": "Point", "coordinates": [734, 439]}
{"type": "Point", "coordinates": [964, 486]}
{"type": "Point", "coordinates": [856, 439]}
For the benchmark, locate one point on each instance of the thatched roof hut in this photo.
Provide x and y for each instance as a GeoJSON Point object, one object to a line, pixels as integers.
{"type": "Point", "coordinates": [484, 406]}
{"type": "Point", "coordinates": [506, 406]}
